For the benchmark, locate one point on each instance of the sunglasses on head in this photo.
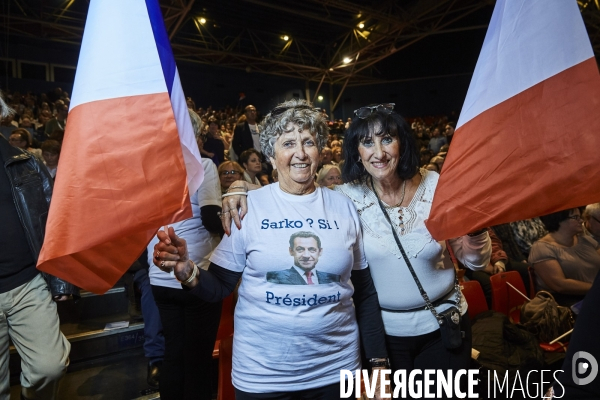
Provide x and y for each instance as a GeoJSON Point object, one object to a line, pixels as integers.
{"type": "Point", "coordinates": [232, 172]}
{"type": "Point", "coordinates": [365, 111]}
{"type": "Point", "coordinates": [277, 111]}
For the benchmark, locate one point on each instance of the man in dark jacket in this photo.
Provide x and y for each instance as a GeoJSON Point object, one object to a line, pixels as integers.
{"type": "Point", "coordinates": [245, 135]}
{"type": "Point", "coordinates": [28, 316]}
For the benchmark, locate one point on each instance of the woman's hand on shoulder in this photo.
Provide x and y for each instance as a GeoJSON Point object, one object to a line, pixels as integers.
{"type": "Point", "coordinates": [235, 206]}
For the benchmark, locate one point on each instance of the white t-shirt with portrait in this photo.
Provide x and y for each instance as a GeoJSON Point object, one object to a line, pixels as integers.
{"type": "Point", "coordinates": [290, 335]}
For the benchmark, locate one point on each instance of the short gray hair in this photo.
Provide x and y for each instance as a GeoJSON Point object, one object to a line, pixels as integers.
{"type": "Point", "coordinates": [325, 170]}
{"type": "Point", "coordinates": [5, 110]}
{"type": "Point", "coordinates": [288, 115]}
{"type": "Point", "coordinates": [591, 210]}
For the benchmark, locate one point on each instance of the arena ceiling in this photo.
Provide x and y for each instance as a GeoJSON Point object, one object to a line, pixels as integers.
{"type": "Point", "coordinates": [340, 42]}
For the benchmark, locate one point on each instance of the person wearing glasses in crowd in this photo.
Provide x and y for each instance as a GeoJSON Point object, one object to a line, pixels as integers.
{"type": "Point", "coordinates": [591, 221]}
{"type": "Point", "coordinates": [290, 341]}
{"type": "Point", "coordinates": [229, 172]}
{"type": "Point", "coordinates": [565, 260]}
{"type": "Point", "coordinates": [382, 162]}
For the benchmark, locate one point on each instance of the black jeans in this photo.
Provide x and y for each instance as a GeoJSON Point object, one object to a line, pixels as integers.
{"type": "Point", "coordinates": [190, 328]}
{"type": "Point", "coordinates": [428, 352]}
{"type": "Point", "coordinates": [329, 392]}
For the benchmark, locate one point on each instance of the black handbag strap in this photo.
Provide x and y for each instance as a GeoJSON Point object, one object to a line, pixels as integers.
{"type": "Point", "coordinates": [408, 263]}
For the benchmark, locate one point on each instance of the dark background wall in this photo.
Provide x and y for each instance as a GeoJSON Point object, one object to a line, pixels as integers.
{"type": "Point", "coordinates": [220, 86]}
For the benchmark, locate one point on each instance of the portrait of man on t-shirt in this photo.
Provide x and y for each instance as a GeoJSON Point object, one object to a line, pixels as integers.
{"type": "Point", "coordinates": [306, 249]}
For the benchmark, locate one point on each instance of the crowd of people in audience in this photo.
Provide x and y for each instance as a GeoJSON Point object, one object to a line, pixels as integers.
{"type": "Point", "coordinates": [560, 251]}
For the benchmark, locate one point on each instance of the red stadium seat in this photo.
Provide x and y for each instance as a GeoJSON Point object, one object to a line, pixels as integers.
{"type": "Point", "coordinates": [226, 324]}
{"type": "Point", "coordinates": [226, 390]}
{"type": "Point", "coordinates": [475, 298]}
{"type": "Point", "coordinates": [506, 299]}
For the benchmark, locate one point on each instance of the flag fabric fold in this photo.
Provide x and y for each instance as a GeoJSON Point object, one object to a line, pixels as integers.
{"type": "Point", "coordinates": [527, 140]}
{"type": "Point", "coordinates": [129, 160]}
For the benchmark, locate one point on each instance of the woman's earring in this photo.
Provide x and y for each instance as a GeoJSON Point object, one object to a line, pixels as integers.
{"type": "Point", "coordinates": [359, 160]}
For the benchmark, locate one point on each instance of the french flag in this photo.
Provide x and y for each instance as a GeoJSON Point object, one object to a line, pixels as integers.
{"type": "Point", "coordinates": [129, 160]}
{"type": "Point", "coordinates": [528, 138]}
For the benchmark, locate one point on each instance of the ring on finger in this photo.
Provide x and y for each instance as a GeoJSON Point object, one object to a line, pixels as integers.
{"type": "Point", "coordinates": [162, 264]}
{"type": "Point", "coordinates": [157, 255]}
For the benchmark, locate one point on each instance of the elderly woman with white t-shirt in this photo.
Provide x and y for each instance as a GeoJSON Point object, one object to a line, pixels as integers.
{"type": "Point", "coordinates": [306, 288]}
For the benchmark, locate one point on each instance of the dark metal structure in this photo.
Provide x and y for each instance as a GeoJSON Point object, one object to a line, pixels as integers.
{"type": "Point", "coordinates": [339, 42]}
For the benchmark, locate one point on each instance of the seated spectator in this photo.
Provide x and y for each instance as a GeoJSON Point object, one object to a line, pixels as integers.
{"type": "Point", "coordinates": [499, 262]}
{"type": "Point", "coordinates": [7, 126]}
{"type": "Point", "coordinates": [439, 160]}
{"type": "Point", "coordinates": [21, 138]}
{"type": "Point", "coordinates": [27, 124]}
{"type": "Point", "coordinates": [436, 141]}
{"type": "Point", "coordinates": [432, 167]}
{"type": "Point", "coordinates": [263, 178]}
{"type": "Point", "coordinates": [449, 131]}
{"type": "Point", "coordinates": [251, 161]}
{"type": "Point", "coordinates": [338, 155]}
{"type": "Point", "coordinates": [527, 232]}
{"type": "Point", "coordinates": [425, 155]}
{"type": "Point", "coordinates": [326, 157]}
{"type": "Point", "coordinates": [591, 221]}
{"type": "Point", "coordinates": [60, 121]}
{"type": "Point", "coordinates": [329, 175]}
{"type": "Point", "coordinates": [214, 146]}
{"type": "Point", "coordinates": [336, 144]}
{"type": "Point", "coordinates": [229, 172]}
{"type": "Point", "coordinates": [51, 154]}
{"type": "Point", "coordinates": [565, 261]}
{"type": "Point", "coordinates": [275, 176]}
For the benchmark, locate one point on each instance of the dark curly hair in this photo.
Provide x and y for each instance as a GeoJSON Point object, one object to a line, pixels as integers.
{"type": "Point", "coordinates": [386, 124]}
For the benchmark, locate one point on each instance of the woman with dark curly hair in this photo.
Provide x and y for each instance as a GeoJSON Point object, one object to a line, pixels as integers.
{"type": "Point", "coordinates": [393, 198]}
{"type": "Point", "coordinates": [565, 261]}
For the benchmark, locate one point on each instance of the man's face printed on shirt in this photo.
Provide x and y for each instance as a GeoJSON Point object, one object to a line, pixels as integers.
{"type": "Point", "coordinates": [306, 253]}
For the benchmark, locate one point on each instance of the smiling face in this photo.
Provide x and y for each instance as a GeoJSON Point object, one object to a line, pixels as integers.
{"type": "Point", "coordinates": [380, 156]}
{"type": "Point", "coordinates": [253, 165]}
{"type": "Point", "coordinates": [296, 160]}
{"type": "Point", "coordinates": [306, 252]}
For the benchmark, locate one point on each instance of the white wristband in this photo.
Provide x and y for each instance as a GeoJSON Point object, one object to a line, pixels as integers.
{"type": "Point", "coordinates": [234, 194]}
{"type": "Point", "coordinates": [192, 276]}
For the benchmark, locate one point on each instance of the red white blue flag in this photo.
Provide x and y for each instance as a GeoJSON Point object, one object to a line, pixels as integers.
{"type": "Point", "coordinates": [129, 158]}
{"type": "Point", "coordinates": [527, 140]}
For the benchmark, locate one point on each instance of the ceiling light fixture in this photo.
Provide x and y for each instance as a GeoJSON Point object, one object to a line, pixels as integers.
{"type": "Point", "coordinates": [347, 60]}
{"type": "Point", "coordinates": [361, 25]}
{"type": "Point", "coordinates": [285, 37]}
{"type": "Point", "coordinates": [202, 21]}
